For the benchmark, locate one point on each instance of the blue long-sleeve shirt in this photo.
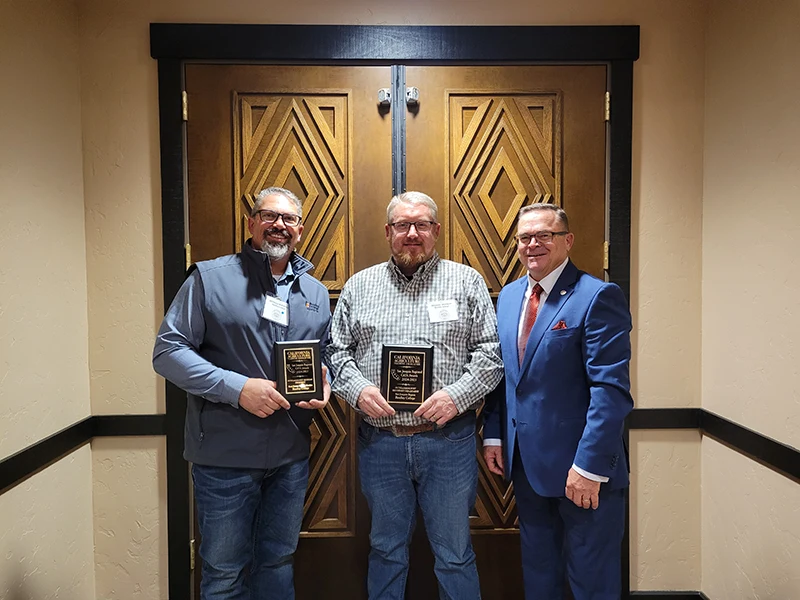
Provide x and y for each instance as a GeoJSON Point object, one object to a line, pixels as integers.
{"type": "Point", "coordinates": [214, 337]}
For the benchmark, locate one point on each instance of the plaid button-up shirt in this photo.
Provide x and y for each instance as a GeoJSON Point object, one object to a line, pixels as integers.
{"type": "Point", "coordinates": [380, 305]}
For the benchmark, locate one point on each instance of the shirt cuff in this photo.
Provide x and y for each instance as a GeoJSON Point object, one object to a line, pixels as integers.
{"type": "Point", "coordinates": [492, 442]}
{"type": "Point", "coordinates": [350, 390]}
{"type": "Point", "coordinates": [234, 382]}
{"type": "Point", "coordinates": [590, 476]}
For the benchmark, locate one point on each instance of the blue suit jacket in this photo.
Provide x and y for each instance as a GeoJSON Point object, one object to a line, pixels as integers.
{"type": "Point", "coordinates": [568, 400]}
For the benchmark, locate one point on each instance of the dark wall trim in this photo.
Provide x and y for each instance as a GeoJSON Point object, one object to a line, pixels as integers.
{"type": "Point", "coordinates": [128, 425]}
{"type": "Point", "coordinates": [313, 43]}
{"type": "Point", "coordinates": [20, 466]}
{"type": "Point", "coordinates": [665, 418]}
{"type": "Point", "coordinates": [771, 453]}
{"type": "Point", "coordinates": [779, 457]}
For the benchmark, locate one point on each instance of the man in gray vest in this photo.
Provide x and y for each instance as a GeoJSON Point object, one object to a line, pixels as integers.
{"type": "Point", "coordinates": [249, 446]}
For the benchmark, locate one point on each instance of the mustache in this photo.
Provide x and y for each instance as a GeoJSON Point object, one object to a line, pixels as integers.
{"type": "Point", "coordinates": [281, 232]}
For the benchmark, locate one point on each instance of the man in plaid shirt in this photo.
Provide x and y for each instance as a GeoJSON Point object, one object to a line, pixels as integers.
{"type": "Point", "coordinates": [425, 457]}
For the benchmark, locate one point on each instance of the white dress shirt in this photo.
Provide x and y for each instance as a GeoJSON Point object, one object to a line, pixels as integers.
{"type": "Point", "coordinates": [547, 283]}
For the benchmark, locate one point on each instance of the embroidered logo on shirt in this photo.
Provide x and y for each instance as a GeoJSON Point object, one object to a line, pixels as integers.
{"type": "Point", "coordinates": [312, 306]}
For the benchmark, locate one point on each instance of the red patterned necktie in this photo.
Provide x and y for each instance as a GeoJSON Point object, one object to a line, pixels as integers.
{"type": "Point", "coordinates": [530, 318]}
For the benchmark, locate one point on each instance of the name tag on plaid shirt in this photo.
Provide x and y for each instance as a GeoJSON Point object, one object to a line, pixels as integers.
{"type": "Point", "coordinates": [442, 311]}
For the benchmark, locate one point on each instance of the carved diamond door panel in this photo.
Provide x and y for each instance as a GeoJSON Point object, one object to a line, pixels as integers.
{"type": "Point", "coordinates": [505, 151]}
{"type": "Point", "coordinates": [485, 141]}
{"type": "Point", "coordinates": [299, 142]}
{"type": "Point", "coordinates": [503, 138]}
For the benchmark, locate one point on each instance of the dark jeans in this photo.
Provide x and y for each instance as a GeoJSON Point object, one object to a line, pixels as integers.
{"type": "Point", "coordinates": [437, 471]}
{"type": "Point", "coordinates": [250, 523]}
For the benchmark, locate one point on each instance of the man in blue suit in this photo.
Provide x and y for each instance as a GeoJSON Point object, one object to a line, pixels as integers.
{"type": "Point", "coordinates": [555, 425]}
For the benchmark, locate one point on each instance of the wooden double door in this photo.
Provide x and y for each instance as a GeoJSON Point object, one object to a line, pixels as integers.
{"type": "Point", "coordinates": [482, 142]}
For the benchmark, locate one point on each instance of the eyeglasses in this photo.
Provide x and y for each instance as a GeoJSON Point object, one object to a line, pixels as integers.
{"type": "Point", "coordinates": [540, 236]}
{"type": "Point", "coordinates": [270, 216]}
{"type": "Point", "coordinates": [420, 226]}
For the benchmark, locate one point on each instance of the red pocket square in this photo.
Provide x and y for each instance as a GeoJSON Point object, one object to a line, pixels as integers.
{"type": "Point", "coordinates": [560, 325]}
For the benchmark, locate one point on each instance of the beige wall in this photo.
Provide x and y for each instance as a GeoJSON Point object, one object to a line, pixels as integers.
{"type": "Point", "coordinates": [46, 533]}
{"type": "Point", "coordinates": [46, 521]}
{"type": "Point", "coordinates": [739, 94]}
{"type": "Point", "coordinates": [751, 529]}
{"type": "Point", "coordinates": [44, 380]}
{"type": "Point", "coordinates": [123, 226]}
{"type": "Point", "coordinates": [130, 493]}
{"type": "Point", "coordinates": [665, 510]}
{"type": "Point", "coordinates": [750, 287]}
{"type": "Point", "coordinates": [751, 525]}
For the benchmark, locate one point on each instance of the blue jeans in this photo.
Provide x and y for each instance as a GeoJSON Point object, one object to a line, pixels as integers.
{"type": "Point", "coordinates": [437, 471]}
{"type": "Point", "coordinates": [249, 522]}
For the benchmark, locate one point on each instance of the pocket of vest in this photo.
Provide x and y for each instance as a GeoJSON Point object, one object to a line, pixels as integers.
{"type": "Point", "coordinates": [200, 427]}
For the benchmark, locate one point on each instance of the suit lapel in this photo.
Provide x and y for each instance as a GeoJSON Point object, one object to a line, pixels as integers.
{"type": "Point", "coordinates": [509, 325]}
{"type": "Point", "coordinates": [548, 311]}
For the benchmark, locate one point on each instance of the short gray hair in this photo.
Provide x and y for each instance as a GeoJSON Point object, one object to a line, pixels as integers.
{"type": "Point", "coordinates": [561, 215]}
{"type": "Point", "coordinates": [415, 198]}
{"type": "Point", "coordinates": [263, 194]}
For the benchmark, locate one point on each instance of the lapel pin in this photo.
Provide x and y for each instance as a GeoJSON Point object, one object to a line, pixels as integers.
{"type": "Point", "coordinates": [563, 292]}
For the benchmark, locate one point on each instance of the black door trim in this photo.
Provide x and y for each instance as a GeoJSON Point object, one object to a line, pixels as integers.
{"type": "Point", "coordinates": [175, 44]}
{"type": "Point", "coordinates": [315, 43]}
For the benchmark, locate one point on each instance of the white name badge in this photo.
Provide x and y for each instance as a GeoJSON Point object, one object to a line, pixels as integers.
{"type": "Point", "coordinates": [276, 310]}
{"type": "Point", "coordinates": [443, 310]}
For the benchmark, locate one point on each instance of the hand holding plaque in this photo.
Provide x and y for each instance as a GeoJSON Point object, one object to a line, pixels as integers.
{"type": "Point", "coordinates": [298, 370]}
{"type": "Point", "coordinates": [406, 375]}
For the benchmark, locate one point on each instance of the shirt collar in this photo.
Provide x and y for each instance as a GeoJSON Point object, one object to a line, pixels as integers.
{"type": "Point", "coordinates": [288, 274]}
{"type": "Point", "coordinates": [548, 282]}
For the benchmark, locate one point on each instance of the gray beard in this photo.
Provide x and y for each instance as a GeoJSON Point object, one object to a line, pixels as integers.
{"type": "Point", "coordinates": [275, 251]}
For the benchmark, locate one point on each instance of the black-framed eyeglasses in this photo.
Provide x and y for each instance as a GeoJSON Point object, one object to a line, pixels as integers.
{"type": "Point", "coordinates": [270, 216]}
{"type": "Point", "coordinates": [405, 226]}
{"type": "Point", "coordinates": [540, 236]}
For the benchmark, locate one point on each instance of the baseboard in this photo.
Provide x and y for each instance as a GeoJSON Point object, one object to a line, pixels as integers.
{"type": "Point", "coordinates": [671, 595]}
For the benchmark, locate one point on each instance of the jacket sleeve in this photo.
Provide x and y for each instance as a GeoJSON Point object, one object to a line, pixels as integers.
{"type": "Point", "coordinates": [493, 411]}
{"type": "Point", "coordinates": [606, 354]}
{"type": "Point", "coordinates": [176, 354]}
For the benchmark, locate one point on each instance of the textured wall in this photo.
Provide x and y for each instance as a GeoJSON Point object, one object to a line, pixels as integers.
{"type": "Point", "coordinates": [119, 91]}
{"type": "Point", "coordinates": [665, 545]}
{"type": "Point", "coordinates": [130, 493]}
{"type": "Point", "coordinates": [46, 534]}
{"type": "Point", "coordinates": [751, 529]}
{"type": "Point", "coordinates": [751, 322]}
{"type": "Point", "coordinates": [44, 380]}
{"type": "Point", "coordinates": [751, 221]}
{"type": "Point", "coordinates": [46, 521]}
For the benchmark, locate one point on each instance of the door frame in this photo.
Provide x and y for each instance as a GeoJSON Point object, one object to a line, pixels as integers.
{"type": "Point", "coordinates": [173, 45]}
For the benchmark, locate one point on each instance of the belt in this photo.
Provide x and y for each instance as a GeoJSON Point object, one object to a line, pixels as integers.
{"type": "Point", "coordinates": [407, 430]}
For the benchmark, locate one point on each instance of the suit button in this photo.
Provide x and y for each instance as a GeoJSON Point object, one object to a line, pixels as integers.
{"type": "Point", "coordinates": [513, 422]}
